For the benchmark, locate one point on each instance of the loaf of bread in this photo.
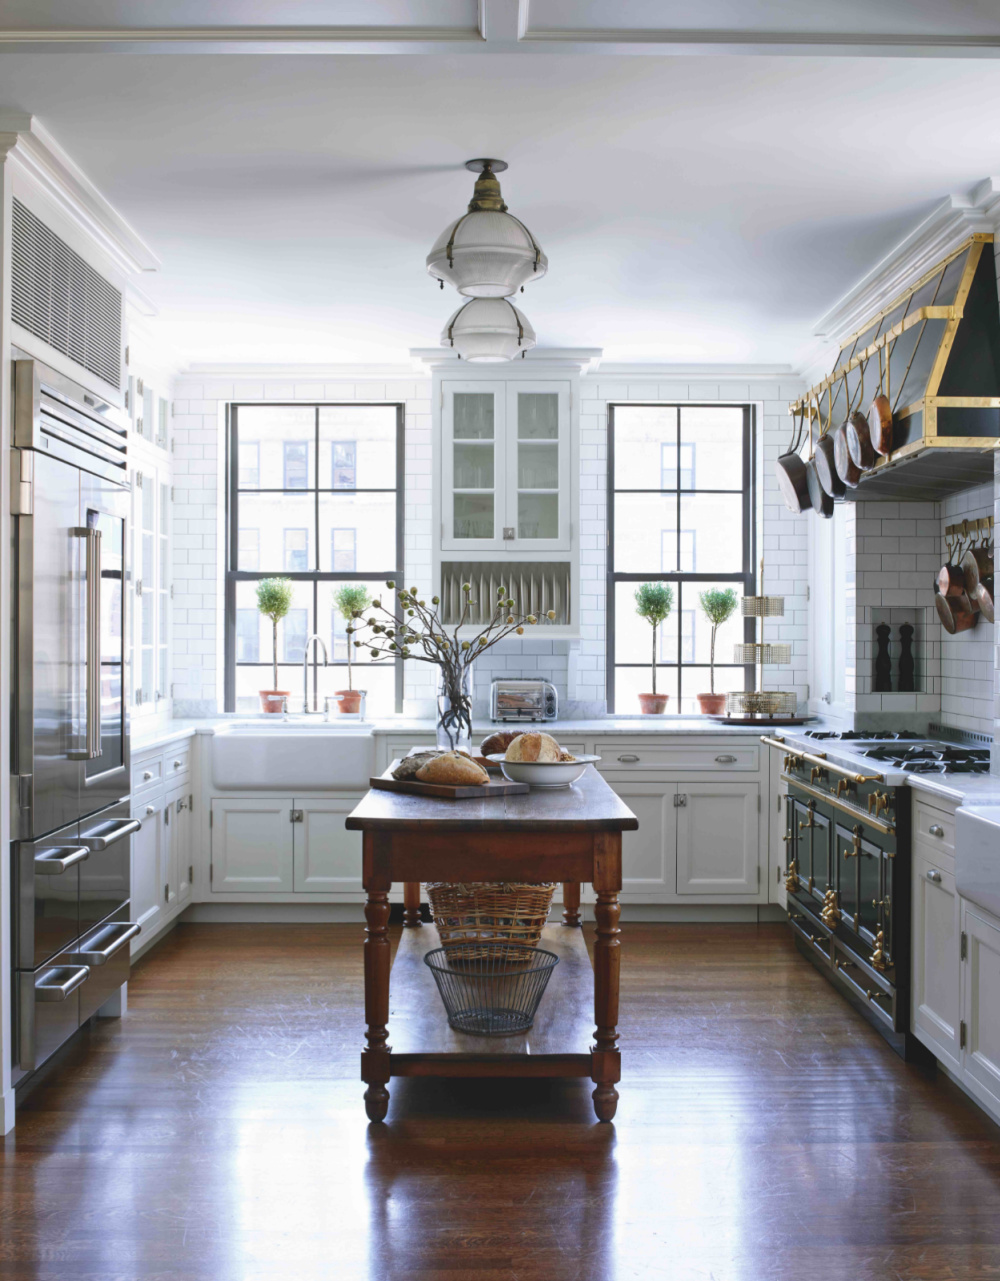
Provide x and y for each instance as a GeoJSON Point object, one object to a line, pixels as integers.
{"type": "Point", "coordinates": [452, 767]}
{"type": "Point", "coordinates": [533, 747]}
{"type": "Point", "coordinates": [496, 744]}
{"type": "Point", "coordinates": [409, 765]}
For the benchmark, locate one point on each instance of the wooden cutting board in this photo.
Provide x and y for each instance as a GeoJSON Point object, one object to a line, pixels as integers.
{"type": "Point", "coordinates": [447, 791]}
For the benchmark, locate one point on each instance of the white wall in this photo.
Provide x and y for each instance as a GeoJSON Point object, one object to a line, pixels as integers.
{"type": "Point", "coordinates": [576, 667]}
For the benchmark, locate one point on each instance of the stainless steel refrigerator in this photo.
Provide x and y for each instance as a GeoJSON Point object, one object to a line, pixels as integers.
{"type": "Point", "coordinates": [70, 747]}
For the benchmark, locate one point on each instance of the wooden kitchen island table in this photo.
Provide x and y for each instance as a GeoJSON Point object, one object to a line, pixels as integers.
{"type": "Point", "coordinates": [573, 836]}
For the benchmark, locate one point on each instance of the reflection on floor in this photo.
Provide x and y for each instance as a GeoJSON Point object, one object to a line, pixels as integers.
{"type": "Point", "coordinates": [764, 1132]}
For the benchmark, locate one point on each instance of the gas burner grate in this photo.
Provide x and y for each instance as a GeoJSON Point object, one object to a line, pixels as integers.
{"type": "Point", "coordinates": [864, 735]}
{"type": "Point", "coordinates": [932, 758]}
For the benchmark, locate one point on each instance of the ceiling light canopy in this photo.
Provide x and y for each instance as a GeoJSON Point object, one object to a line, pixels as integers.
{"type": "Point", "coordinates": [488, 331]}
{"type": "Point", "coordinates": [487, 253]}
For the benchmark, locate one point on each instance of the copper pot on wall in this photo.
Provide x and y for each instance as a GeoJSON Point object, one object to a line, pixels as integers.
{"type": "Point", "coordinates": [957, 613]}
{"type": "Point", "coordinates": [822, 502]}
{"type": "Point", "coordinates": [847, 469]}
{"type": "Point", "coordinates": [825, 459]}
{"type": "Point", "coordinates": [880, 425]}
{"type": "Point", "coordinates": [977, 564]}
{"type": "Point", "coordinates": [984, 598]}
{"type": "Point", "coordinates": [951, 580]}
{"type": "Point", "coordinates": [859, 442]}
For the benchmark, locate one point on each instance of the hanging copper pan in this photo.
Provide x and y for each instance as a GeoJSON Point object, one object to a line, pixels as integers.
{"type": "Point", "coordinates": [822, 502]}
{"type": "Point", "coordinates": [847, 469]}
{"type": "Point", "coordinates": [957, 613]}
{"type": "Point", "coordinates": [984, 598]}
{"type": "Point", "coordinates": [790, 470]}
{"type": "Point", "coordinates": [977, 563]}
{"type": "Point", "coordinates": [880, 425]}
{"type": "Point", "coordinates": [825, 459]}
{"type": "Point", "coordinates": [951, 581]}
{"type": "Point", "coordinates": [859, 442]}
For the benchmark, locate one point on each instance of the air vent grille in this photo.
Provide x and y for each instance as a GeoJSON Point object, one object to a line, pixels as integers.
{"type": "Point", "coordinates": [60, 298]}
{"type": "Point", "coordinates": [536, 586]}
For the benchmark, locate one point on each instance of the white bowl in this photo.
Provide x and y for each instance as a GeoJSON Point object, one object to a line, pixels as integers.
{"type": "Point", "coordinates": [544, 775]}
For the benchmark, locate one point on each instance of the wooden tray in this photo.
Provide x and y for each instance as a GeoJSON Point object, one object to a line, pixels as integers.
{"type": "Point", "coordinates": [447, 791]}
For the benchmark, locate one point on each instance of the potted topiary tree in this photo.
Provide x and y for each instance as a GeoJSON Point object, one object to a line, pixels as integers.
{"type": "Point", "coordinates": [717, 604]}
{"type": "Point", "coordinates": [653, 602]}
{"type": "Point", "coordinates": [350, 602]}
{"type": "Point", "coordinates": [274, 600]}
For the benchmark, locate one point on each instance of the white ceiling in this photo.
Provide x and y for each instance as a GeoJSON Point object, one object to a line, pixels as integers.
{"type": "Point", "coordinates": [694, 209]}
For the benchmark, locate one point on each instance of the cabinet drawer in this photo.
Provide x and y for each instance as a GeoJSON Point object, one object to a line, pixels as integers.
{"type": "Point", "coordinates": [674, 758]}
{"type": "Point", "coordinates": [176, 764]}
{"type": "Point", "coordinates": [147, 776]}
{"type": "Point", "coordinates": [933, 828]}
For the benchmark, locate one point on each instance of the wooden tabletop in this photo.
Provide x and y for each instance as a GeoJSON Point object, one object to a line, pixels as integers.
{"type": "Point", "coordinates": [588, 805]}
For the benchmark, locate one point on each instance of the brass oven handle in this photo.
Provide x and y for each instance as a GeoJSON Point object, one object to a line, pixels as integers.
{"type": "Point", "coordinates": [830, 799]}
{"type": "Point", "coordinates": [823, 763]}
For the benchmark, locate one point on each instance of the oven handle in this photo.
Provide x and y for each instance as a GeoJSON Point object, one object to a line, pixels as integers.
{"type": "Point", "coordinates": [97, 843]}
{"type": "Point", "coordinates": [858, 815]}
{"type": "Point", "coordinates": [101, 955]}
{"type": "Point", "coordinates": [47, 863]}
{"type": "Point", "coordinates": [61, 991]}
{"type": "Point", "coordinates": [822, 762]}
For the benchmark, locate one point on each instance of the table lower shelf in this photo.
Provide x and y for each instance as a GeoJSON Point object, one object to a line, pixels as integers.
{"type": "Point", "coordinates": [557, 1045]}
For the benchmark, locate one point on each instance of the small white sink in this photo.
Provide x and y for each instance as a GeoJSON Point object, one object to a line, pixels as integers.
{"type": "Point", "coordinates": [977, 855]}
{"type": "Point", "coordinates": [289, 756]}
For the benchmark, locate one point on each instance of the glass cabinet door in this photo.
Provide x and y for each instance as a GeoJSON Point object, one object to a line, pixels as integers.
{"type": "Point", "coordinates": [538, 471]}
{"type": "Point", "coordinates": [473, 447]}
{"type": "Point", "coordinates": [150, 589]}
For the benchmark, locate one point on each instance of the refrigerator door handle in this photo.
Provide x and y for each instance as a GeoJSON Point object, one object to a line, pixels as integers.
{"type": "Point", "coordinates": [117, 833]}
{"type": "Point", "coordinates": [58, 859]}
{"type": "Point", "coordinates": [92, 635]}
{"type": "Point", "coordinates": [62, 983]}
{"type": "Point", "coordinates": [103, 945]}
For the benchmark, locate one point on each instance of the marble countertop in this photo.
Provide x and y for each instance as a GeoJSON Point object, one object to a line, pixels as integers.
{"type": "Point", "coordinates": [960, 789]}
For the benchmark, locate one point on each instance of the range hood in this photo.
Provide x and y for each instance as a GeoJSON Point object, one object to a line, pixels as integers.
{"type": "Point", "coordinates": [935, 353]}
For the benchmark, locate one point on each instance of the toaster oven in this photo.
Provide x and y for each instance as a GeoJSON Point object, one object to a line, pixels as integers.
{"type": "Point", "coordinates": [523, 701]}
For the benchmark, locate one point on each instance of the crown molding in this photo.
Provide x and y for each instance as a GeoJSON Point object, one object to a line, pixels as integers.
{"type": "Point", "coordinates": [584, 359]}
{"type": "Point", "coordinates": [242, 39]}
{"type": "Point", "coordinates": [249, 372]}
{"type": "Point", "coordinates": [30, 146]}
{"type": "Point", "coordinates": [941, 232]}
{"type": "Point", "coordinates": [742, 373]}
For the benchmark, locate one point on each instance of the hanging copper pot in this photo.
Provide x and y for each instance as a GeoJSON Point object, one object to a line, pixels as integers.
{"type": "Point", "coordinates": [984, 598]}
{"type": "Point", "coordinates": [822, 502]}
{"type": "Point", "coordinates": [951, 580]}
{"type": "Point", "coordinates": [859, 442]}
{"type": "Point", "coordinates": [790, 470]}
{"type": "Point", "coordinates": [977, 563]}
{"type": "Point", "coordinates": [957, 613]}
{"type": "Point", "coordinates": [880, 425]}
{"type": "Point", "coordinates": [847, 469]}
{"type": "Point", "coordinates": [825, 459]}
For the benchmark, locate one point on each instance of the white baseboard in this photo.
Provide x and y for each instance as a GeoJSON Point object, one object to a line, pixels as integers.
{"type": "Point", "coordinates": [353, 913]}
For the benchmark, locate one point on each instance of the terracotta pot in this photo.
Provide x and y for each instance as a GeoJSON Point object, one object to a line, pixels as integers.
{"type": "Point", "coordinates": [272, 701]}
{"type": "Point", "coordinates": [348, 700]}
{"type": "Point", "coordinates": [653, 704]}
{"type": "Point", "coordinates": [712, 704]}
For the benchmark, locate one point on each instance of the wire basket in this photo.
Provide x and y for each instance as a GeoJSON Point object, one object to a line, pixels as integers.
{"type": "Point", "coordinates": [763, 607]}
{"type": "Point", "coordinates": [766, 654]}
{"type": "Point", "coordinates": [489, 910]}
{"type": "Point", "coordinates": [757, 702]}
{"type": "Point", "coordinates": [491, 989]}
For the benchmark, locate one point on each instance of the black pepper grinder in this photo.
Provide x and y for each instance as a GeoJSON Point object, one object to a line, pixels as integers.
{"type": "Point", "coordinates": [906, 664]}
{"type": "Point", "coordinates": [883, 663]}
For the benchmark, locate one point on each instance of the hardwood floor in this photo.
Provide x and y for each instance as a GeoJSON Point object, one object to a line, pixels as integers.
{"type": "Point", "coordinates": [764, 1132]}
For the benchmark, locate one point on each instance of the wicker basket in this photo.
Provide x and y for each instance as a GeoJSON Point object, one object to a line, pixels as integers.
{"type": "Point", "coordinates": [489, 911]}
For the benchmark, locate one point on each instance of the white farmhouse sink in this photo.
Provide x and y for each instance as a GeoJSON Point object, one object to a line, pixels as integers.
{"type": "Point", "coordinates": [287, 756]}
{"type": "Point", "coordinates": [977, 855]}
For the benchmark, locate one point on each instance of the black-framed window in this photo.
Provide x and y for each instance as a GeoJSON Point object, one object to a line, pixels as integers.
{"type": "Point", "coordinates": [314, 494]}
{"type": "Point", "coordinates": [680, 511]}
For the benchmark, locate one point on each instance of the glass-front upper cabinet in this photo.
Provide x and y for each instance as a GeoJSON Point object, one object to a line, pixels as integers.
{"type": "Point", "coordinates": [506, 466]}
{"type": "Point", "coordinates": [151, 587]}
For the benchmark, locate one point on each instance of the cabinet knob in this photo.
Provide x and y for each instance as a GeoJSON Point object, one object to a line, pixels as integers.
{"type": "Point", "coordinates": [150, 810]}
{"type": "Point", "coordinates": [178, 764]}
{"type": "Point", "coordinates": [725, 759]}
{"type": "Point", "coordinates": [934, 875]}
{"type": "Point", "coordinates": [936, 830]}
{"type": "Point", "coordinates": [628, 757]}
{"type": "Point", "coordinates": [147, 774]}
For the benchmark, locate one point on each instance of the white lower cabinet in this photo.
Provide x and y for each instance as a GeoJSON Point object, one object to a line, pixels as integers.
{"type": "Point", "coordinates": [936, 967]}
{"type": "Point", "coordinates": [148, 867]}
{"type": "Point", "coordinates": [251, 846]}
{"type": "Point", "coordinates": [178, 868]}
{"type": "Point", "coordinates": [981, 1003]}
{"type": "Point", "coordinates": [717, 838]}
{"type": "Point", "coordinates": [326, 857]}
{"type": "Point", "coordinates": [649, 856]}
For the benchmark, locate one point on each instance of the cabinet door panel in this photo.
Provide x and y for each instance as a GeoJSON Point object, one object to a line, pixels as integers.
{"type": "Point", "coordinates": [147, 869]}
{"type": "Point", "coordinates": [648, 855]}
{"type": "Point", "coordinates": [251, 846]}
{"type": "Point", "coordinates": [982, 1003]}
{"type": "Point", "coordinates": [473, 465]}
{"type": "Point", "coordinates": [327, 856]}
{"type": "Point", "coordinates": [538, 465]}
{"type": "Point", "coordinates": [184, 837]}
{"type": "Point", "coordinates": [717, 845]}
{"type": "Point", "coordinates": [936, 960]}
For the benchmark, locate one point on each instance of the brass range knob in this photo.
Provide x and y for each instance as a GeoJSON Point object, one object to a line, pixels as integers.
{"type": "Point", "coordinates": [878, 959]}
{"type": "Point", "coordinates": [830, 913]}
{"type": "Point", "coordinates": [792, 877]}
{"type": "Point", "coordinates": [843, 787]}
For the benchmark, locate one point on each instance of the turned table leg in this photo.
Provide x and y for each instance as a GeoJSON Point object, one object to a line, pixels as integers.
{"type": "Point", "coordinates": [571, 903]}
{"type": "Point", "coordinates": [375, 1057]}
{"type": "Point", "coordinates": [411, 904]}
{"type": "Point", "coordinates": [605, 1056]}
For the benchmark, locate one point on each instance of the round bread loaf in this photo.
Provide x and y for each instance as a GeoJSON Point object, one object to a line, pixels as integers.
{"type": "Point", "coordinates": [533, 747]}
{"type": "Point", "coordinates": [452, 767]}
{"type": "Point", "coordinates": [409, 765]}
{"type": "Point", "coordinates": [497, 742]}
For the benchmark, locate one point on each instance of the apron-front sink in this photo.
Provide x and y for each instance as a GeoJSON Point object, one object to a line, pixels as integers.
{"type": "Point", "coordinates": [292, 757]}
{"type": "Point", "coordinates": [977, 855]}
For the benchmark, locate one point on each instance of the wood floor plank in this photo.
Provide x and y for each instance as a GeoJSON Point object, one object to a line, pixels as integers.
{"type": "Point", "coordinates": [765, 1131]}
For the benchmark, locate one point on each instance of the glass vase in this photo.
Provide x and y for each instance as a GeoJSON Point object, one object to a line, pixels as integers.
{"type": "Point", "coordinates": [454, 704]}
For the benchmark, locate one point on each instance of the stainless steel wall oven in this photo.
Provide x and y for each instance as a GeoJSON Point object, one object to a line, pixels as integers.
{"type": "Point", "coordinates": [70, 744]}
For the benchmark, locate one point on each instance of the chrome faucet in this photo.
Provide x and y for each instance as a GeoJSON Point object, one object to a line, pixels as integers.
{"type": "Point", "coordinates": [314, 710]}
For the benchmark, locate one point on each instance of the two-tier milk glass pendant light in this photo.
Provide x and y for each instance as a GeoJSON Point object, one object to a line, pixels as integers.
{"type": "Point", "coordinates": [487, 254]}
